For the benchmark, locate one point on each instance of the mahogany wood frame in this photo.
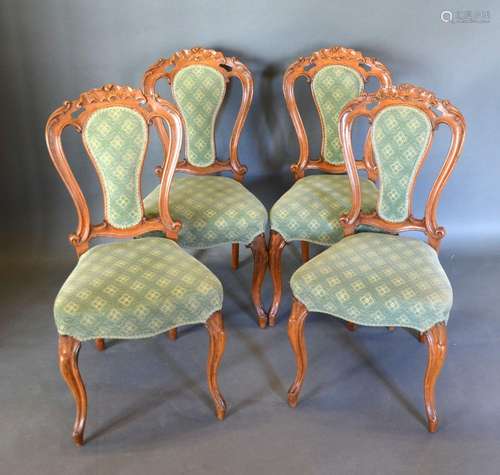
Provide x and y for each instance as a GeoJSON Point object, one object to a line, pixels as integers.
{"type": "Point", "coordinates": [369, 105]}
{"type": "Point", "coordinates": [76, 113]}
{"type": "Point", "coordinates": [229, 67]}
{"type": "Point", "coordinates": [439, 112]}
{"type": "Point", "coordinates": [308, 67]}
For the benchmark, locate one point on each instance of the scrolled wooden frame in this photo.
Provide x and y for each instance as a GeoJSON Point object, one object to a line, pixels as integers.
{"type": "Point", "coordinates": [76, 114]}
{"type": "Point", "coordinates": [308, 67]}
{"type": "Point", "coordinates": [439, 112]}
{"type": "Point", "coordinates": [229, 67]}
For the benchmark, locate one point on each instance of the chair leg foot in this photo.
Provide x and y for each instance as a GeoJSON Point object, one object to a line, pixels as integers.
{"type": "Point", "coordinates": [68, 365]}
{"type": "Point", "coordinates": [235, 255]}
{"type": "Point", "coordinates": [172, 334]}
{"type": "Point", "coordinates": [217, 337]}
{"type": "Point", "coordinates": [100, 344]}
{"type": "Point", "coordinates": [276, 246]}
{"type": "Point", "coordinates": [297, 341]}
{"type": "Point", "coordinates": [421, 337]}
{"type": "Point", "coordinates": [260, 262]}
{"type": "Point", "coordinates": [437, 343]}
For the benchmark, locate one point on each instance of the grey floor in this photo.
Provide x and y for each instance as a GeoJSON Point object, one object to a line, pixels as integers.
{"type": "Point", "coordinates": [361, 410]}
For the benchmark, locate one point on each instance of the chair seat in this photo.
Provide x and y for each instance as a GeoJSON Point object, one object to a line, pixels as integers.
{"type": "Point", "coordinates": [311, 209]}
{"type": "Point", "coordinates": [213, 210]}
{"type": "Point", "coordinates": [135, 289]}
{"type": "Point", "coordinates": [377, 280]}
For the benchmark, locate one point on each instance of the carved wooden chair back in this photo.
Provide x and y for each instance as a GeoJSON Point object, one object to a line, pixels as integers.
{"type": "Point", "coordinates": [114, 123]}
{"type": "Point", "coordinates": [337, 75]}
{"type": "Point", "coordinates": [198, 79]}
{"type": "Point", "coordinates": [403, 122]}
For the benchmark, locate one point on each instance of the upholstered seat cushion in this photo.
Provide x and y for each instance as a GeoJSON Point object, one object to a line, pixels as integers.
{"type": "Point", "coordinates": [377, 280]}
{"type": "Point", "coordinates": [311, 209]}
{"type": "Point", "coordinates": [213, 210]}
{"type": "Point", "coordinates": [135, 289]}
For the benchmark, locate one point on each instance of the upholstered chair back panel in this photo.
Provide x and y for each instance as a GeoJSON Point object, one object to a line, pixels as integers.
{"type": "Point", "coordinates": [116, 139]}
{"type": "Point", "coordinates": [199, 91]}
{"type": "Point", "coordinates": [332, 88]}
{"type": "Point", "coordinates": [400, 138]}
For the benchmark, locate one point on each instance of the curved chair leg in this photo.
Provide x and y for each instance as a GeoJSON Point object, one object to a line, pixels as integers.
{"type": "Point", "coordinates": [304, 249]}
{"type": "Point", "coordinates": [297, 341]}
{"type": "Point", "coordinates": [100, 344]}
{"type": "Point", "coordinates": [172, 334]}
{"type": "Point", "coordinates": [421, 337]}
{"type": "Point", "coordinates": [276, 246]}
{"type": "Point", "coordinates": [68, 365]}
{"type": "Point", "coordinates": [235, 255]}
{"type": "Point", "coordinates": [437, 342]}
{"type": "Point", "coordinates": [215, 327]}
{"type": "Point", "coordinates": [260, 261]}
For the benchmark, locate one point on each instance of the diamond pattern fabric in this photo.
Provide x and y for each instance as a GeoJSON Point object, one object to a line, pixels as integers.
{"type": "Point", "coordinates": [135, 289]}
{"type": "Point", "coordinates": [310, 210]}
{"type": "Point", "coordinates": [333, 87]}
{"type": "Point", "coordinates": [213, 210]}
{"type": "Point", "coordinates": [199, 92]}
{"type": "Point", "coordinates": [116, 138]}
{"type": "Point", "coordinates": [400, 137]}
{"type": "Point", "coordinates": [377, 280]}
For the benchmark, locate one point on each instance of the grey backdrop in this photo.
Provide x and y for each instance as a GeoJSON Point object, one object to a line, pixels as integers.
{"type": "Point", "coordinates": [52, 50]}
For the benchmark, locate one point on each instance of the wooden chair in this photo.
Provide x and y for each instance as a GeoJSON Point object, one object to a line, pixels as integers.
{"type": "Point", "coordinates": [379, 279]}
{"type": "Point", "coordinates": [310, 210]}
{"type": "Point", "coordinates": [133, 288]}
{"type": "Point", "coordinates": [214, 210]}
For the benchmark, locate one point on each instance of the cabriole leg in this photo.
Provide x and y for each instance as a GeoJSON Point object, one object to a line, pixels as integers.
{"type": "Point", "coordinates": [276, 246]}
{"type": "Point", "coordinates": [437, 342]}
{"type": "Point", "coordinates": [68, 365]}
{"type": "Point", "coordinates": [297, 341]}
{"type": "Point", "coordinates": [215, 327]}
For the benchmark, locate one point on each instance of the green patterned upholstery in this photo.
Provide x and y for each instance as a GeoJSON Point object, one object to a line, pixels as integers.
{"type": "Point", "coordinates": [135, 289]}
{"type": "Point", "coordinates": [199, 91]}
{"type": "Point", "coordinates": [400, 137]}
{"type": "Point", "coordinates": [310, 210]}
{"type": "Point", "coordinates": [213, 210]}
{"type": "Point", "coordinates": [377, 280]}
{"type": "Point", "coordinates": [333, 87]}
{"type": "Point", "coordinates": [116, 138]}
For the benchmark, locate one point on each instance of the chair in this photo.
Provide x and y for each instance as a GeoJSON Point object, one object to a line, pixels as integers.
{"type": "Point", "coordinates": [379, 279]}
{"type": "Point", "coordinates": [214, 210]}
{"type": "Point", "coordinates": [310, 210]}
{"type": "Point", "coordinates": [133, 288]}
